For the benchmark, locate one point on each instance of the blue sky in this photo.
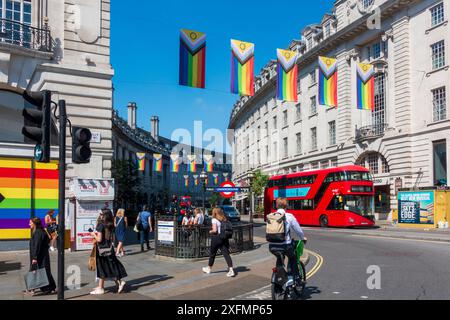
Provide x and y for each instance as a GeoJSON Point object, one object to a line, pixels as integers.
{"type": "Point", "coordinates": [144, 53]}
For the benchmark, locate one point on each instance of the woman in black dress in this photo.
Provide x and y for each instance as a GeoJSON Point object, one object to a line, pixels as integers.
{"type": "Point", "coordinates": [108, 266]}
{"type": "Point", "coordinates": [39, 256]}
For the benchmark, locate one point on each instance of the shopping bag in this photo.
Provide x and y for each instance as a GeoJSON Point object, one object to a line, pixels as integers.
{"type": "Point", "coordinates": [36, 279]}
{"type": "Point", "coordinates": [92, 264]}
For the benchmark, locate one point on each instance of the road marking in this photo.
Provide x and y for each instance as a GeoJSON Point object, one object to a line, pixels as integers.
{"type": "Point", "coordinates": [364, 297]}
{"type": "Point", "coordinates": [401, 239]}
{"type": "Point", "coordinates": [317, 266]}
{"type": "Point", "coordinates": [336, 292]}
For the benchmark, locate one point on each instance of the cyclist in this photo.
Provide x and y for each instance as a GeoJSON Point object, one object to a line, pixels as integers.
{"type": "Point", "coordinates": [286, 248]}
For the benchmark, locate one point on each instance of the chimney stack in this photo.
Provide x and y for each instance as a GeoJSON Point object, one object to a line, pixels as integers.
{"type": "Point", "coordinates": [132, 114]}
{"type": "Point", "coordinates": [154, 127]}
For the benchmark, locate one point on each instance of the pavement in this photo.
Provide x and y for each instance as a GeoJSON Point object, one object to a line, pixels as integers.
{"type": "Point", "coordinates": [149, 277]}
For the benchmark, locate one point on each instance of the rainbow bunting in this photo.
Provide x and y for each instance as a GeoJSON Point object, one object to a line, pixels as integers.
{"type": "Point", "coordinates": [209, 163]}
{"type": "Point", "coordinates": [17, 200]}
{"type": "Point", "coordinates": [365, 86]}
{"type": "Point", "coordinates": [287, 73]}
{"type": "Point", "coordinates": [175, 161]}
{"type": "Point", "coordinates": [328, 81]}
{"type": "Point", "coordinates": [242, 68]}
{"type": "Point", "coordinates": [192, 58]}
{"type": "Point", "coordinates": [141, 160]}
{"type": "Point", "coordinates": [157, 162]}
{"type": "Point", "coordinates": [192, 165]}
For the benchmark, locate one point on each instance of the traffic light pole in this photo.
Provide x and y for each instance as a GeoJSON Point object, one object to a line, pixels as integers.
{"type": "Point", "coordinates": [62, 196]}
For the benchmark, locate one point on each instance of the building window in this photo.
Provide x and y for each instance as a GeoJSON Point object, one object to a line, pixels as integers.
{"type": "Point", "coordinates": [438, 54]}
{"type": "Point", "coordinates": [258, 133]}
{"type": "Point", "coordinates": [324, 164]}
{"type": "Point", "coordinates": [285, 118]}
{"type": "Point", "coordinates": [285, 147]}
{"type": "Point", "coordinates": [298, 142]}
{"type": "Point", "coordinates": [309, 42]}
{"type": "Point", "coordinates": [298, 112]}
{"type": "Point", "coordinates": [267, 154]}
{"type": "Point", "coordinates": [372, 162]}
{"type": "Point", "coordinates": [384, 165]}
{"type": "Point", "coordinates": [439, 104]}
{"type": "Point", "coordinates": [313, 77]}
{"type": "Point", "coordinates": [314, 165]}
{"type": "Point", "coordinates": [379, 112]}
{"type": "Point", "coordinates": [327, 30]}
{"type": "Point", "coordinates": [275, 151]}
{"type": "Point", "coordinates": [332, 133]}
{"type": "Point", "coordinates": [440, 162]}
{"type": "Point", "coordinates": [313, 106]}
{"type": "Point", "coordinates": [334, 162]}
{"type": "Point", "coordinates": [376, 50]}
{"type": "Point", "coordinates": [266, 128]}
{"type": "Point", "coordinates": [366, 3]}
{"type": "Point", "coordinates": [275, 123]}
{"type": "Point", "coordinates": [18, 11]}
{"type": "Point", "coordinates": [313, 139]}
{"type": "Point", "coordinates": [437, 14]}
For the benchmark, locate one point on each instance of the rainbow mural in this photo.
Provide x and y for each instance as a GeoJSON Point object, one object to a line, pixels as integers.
{"type": "Point", "coordinates": [192, 58]}
{"type": "Point", "coordinates": [242, 68]}
{"type": "Point", "coordinates": [18, 198]}
{"type": "Point", "coordinates": [365, 86]}
{"type": "Point", "coordinates": [157, 162]}
{"type": "Point", "coordinates": [140, 156]}
{"type": "Point", "coordinates": [328, 82]}
{"type": "Point", "coordinates": [287, 73]}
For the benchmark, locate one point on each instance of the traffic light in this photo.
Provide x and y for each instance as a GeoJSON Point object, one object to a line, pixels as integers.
{"type": "Point", "coordinates": [81, 150]}
{"type": "Point", "coordinates": [41, 117]}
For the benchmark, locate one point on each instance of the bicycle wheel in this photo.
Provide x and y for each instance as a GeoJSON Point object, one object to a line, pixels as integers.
{"type": "Point", "coordinates": [301, 269]}
{"type": "Point", "coordinates": [277, 292]}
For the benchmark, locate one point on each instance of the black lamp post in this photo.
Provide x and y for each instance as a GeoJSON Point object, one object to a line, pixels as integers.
{"type": "Point", "coordinates": [203, 177]}
{"type": "Point", "coordinates": [251, 176]}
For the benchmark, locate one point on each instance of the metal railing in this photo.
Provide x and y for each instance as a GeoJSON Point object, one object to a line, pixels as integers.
{"type": "Point", "coordinates": [369, 132]}
{"type": "Point", "coordinates": [25, 36]}
{"type": "Point", "coordinates": [194, 242]}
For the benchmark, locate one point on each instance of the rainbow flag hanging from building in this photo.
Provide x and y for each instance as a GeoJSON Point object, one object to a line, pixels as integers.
{"type": "Point", "coordinates": [192, 58]}
{"type": "Point", "coordinates": [216, 178]}
{"type": "Point", "coordinates": [209, 163]}
{"type": "Point", "coordinates": [225, 175]}
{"type": "Point", "coordinates": [365, 86]}
{"type": "Point", "coordinates": [17, 199]}
{"type": "Point", "coordinates": [186, 181]}
{"type": "Point", "coordinates": [287, 73]}
{"type": "Point", "coordinates": [140, 160]}
{"type": "Point", "coordinates": [157, 162]}
{"type": "Point", "coordinates": [192, 163]}
{"type": "Point", "coordinates": [175, 161]}
{"type": "Point", "coordinates": [242, 68]}
{"type": "Point", "coordinates": [195, 180]}
{"type": "Point", "coordinates": [328, 81]}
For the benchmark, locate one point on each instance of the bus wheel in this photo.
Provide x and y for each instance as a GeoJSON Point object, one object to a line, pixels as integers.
{"type": "Point", "coordinates": [323, 221]}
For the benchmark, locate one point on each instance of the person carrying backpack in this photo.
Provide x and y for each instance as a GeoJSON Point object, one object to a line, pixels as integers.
{"type": "Point", "coordinates": [278, 235]}
{"type": "Point", "coordinates": [221, 232]}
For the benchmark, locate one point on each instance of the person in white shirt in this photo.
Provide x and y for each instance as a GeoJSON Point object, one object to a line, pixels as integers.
{"type": "Point", "coordinates": [286, 248]}
{"type": "Point", "coordinates": [199, 217]}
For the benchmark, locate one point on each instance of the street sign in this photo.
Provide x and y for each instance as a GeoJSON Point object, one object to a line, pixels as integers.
{"type": "Point", "coordinates": [227, 189]}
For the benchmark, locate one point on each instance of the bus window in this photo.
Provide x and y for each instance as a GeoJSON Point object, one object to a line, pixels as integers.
{"type": "Point", "coordinates": [301, 204]}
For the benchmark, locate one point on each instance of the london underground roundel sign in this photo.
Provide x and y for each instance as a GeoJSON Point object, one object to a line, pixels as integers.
{"type": "Point", "coordinates": [225, 186]}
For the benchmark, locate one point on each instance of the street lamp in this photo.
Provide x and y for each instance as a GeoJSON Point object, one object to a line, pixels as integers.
{"type": "Point", "coordinates": [203, 177]}
{"type": "Point", "coordinates": [251, 176]}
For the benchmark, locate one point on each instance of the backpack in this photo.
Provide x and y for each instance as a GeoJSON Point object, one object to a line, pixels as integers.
{"type": "Point", "coordinates": [226, 230]}
{"type": "Point", "coordinates": [275, 228]}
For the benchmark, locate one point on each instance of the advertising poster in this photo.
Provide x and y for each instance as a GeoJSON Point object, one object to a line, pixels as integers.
{"type": "Point", "coordinates": [166, 232]}
{"type": "Point", "coordinates": [416, 207]}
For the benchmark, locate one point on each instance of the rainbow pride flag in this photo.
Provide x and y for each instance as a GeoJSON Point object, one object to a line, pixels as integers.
{"type": "Point", "coordinates": [157, 162]}
{"type": "Point", "coordinates": [175, 161]}
{"type": "Point", "coordinates": [209, 163]}
{"type": "Point", "coordinates": [216, 178]}
{"type": "Point", "coordinates": [242, 68]}
{"type": "Point", "coordinates": [328, 81]}
{"type": "Point", "coordinates": [287, 73]}
{"type": "Point", "coordinates": [365, 86]}
{"type": "Point", "coordinates": [186, 182]}
{"type": "Point", "coordinates": [192, 165]}
{"type": "Point", "coordinates": [192, 58]}
{"type": "Point", "coordinates": [17, 199]}
{"type": "Point", "coordinates": [195, 180]}
{"type": "Point", "coordinates": [140, 160]}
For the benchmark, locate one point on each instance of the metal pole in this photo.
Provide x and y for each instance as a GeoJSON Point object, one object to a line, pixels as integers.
{"type": "Point", "coordinates": [251, 204]}
{"type": "Point", "coordinates": [62, 196]}
{"type": "Point", "coordinates": [204, 189]}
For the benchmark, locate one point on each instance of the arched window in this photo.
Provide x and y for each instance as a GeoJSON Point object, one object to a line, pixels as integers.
{"type": "Point", "coordinates": [375, 162]}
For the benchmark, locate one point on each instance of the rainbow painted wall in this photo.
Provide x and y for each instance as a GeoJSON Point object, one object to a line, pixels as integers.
{"type": "Point", "coordinates": [24, 187]}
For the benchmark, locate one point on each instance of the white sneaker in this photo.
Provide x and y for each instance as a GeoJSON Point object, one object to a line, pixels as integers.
{"type": "Point", "coordinates": [206, 270]}
{"type": "Point", "coordinates": [121, 286]}
{"type": "Point", "coordinates": [231, 273]}
{"type": "Point", "coordinates": [98, 291]}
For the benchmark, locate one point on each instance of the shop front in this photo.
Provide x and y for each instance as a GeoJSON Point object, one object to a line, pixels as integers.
{"type": "Point", "coordinates": [382, 194]}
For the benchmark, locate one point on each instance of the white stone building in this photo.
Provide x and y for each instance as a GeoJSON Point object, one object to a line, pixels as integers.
{"type": "Point", "coordinates": [64, 47]}
{"type": "Point", "coordinates": [403, 141]}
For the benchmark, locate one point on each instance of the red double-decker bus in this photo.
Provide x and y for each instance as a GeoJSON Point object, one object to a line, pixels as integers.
{"type": "Point", "coordinates": [335, 197]}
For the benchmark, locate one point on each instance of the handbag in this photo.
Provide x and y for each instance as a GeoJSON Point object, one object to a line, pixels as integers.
{"type": "Point", "coordinates": [138, 224]}
{"type": "Point", "coordinates": [36, 279]}
{"type": "Point", "coordinates": [92, 264]}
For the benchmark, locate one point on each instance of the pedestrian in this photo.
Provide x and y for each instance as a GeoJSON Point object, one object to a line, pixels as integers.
{"type": "Point", "coordinates": [218, 217]}
{"type": "Point", "coordinates": [52, 228]}
{"type": "Point", "coordinates": [107, 264]}
{"type": "Point", "coordinates": [121, 225]}
{"type": "Point", "coordinates": [199, 217]}
{"type": "Point", "coordinates": [39, 255]}
{"type": "Point", "coordinates": [188, 220]}
{"type": "Point", "coordinates": [145, 218]}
